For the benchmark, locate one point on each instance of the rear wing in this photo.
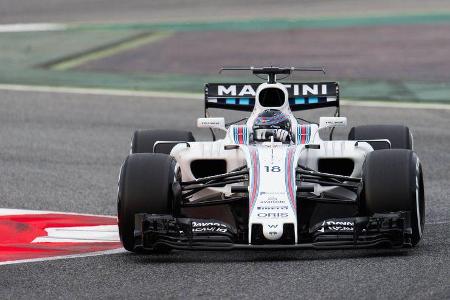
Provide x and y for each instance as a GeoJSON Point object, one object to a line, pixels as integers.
{"type": "Point", "coordinates": [241, 96]}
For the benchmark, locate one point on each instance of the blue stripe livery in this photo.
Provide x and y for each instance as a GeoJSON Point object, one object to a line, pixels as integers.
{"type": "Point", "coordinates": [299, 101]}
{"type": "Point", "coordinates": [244, 101]}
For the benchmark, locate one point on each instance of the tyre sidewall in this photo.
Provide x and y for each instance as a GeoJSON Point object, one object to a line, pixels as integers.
{"type": "Point", "coordinates": [144, 187]}
{"type": "Point", "coordinates": [393, 181]}
{"type": "Point", "coordinates": [418, 200]}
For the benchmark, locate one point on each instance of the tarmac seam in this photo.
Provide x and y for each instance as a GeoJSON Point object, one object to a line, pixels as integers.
{"type": "Point", "coordinates": [77, 59]}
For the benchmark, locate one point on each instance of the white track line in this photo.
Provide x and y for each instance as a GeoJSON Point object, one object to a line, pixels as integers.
{"type": "Point", "coordinates": [77, 234]}
{"type": "Point", "coordinates": [196, 96]}
{"type": "Point", "coordinates": [31, 27]}
{"type": "Point", "coordinates": [99, 253]}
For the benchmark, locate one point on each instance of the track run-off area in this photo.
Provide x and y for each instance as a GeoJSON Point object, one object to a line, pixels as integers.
{"type": "Point", "coordinates": [62, 152]}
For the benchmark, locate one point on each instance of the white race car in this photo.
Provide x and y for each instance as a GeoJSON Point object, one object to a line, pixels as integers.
{"type": "Point", "coordinates": [273, 181]}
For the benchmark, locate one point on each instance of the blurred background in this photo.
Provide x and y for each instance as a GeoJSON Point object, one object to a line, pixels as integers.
{"type": "Point", "coordinates": [381, 50]}
{"type": "Point", "coordinates": [72, 71]}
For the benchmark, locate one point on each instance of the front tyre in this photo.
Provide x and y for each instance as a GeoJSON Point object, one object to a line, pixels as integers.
{"type": "Point", "coordinates": [145, 186]}
{"type": "Point", "coordinates": [393, 181]}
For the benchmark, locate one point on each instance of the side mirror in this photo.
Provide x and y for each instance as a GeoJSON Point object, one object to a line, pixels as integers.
{"type": "Point", "coordinates": [217, 123]}
{"type": "Point", "coordinates": [329, 122]}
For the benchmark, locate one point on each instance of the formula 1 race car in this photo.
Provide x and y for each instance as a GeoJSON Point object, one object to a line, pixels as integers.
{"type": "Point", "coordinates": [273, 181]}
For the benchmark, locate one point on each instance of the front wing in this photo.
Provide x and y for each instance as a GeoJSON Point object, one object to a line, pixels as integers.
{"type": "Point", "coordinates": [388, 230]}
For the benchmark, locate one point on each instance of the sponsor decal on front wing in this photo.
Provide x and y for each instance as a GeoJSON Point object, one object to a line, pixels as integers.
{"type": "Point", "coordinates": [199, 227]}
{"type": "Point", "coordinates": [337, 226]}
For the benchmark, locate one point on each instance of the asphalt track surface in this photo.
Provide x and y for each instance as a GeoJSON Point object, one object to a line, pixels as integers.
{"type": "Point", "coordinates": [63, 152]}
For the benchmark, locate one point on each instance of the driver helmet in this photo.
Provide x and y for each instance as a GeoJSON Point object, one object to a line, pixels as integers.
{"type": "Point", "coordinates": [272, 122]}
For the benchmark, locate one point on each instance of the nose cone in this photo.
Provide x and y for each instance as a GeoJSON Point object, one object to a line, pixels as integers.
{"type": "Point", "coordinates": [273, 231]}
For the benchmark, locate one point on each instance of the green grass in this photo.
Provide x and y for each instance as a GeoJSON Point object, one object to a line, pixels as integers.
{"type": "Point", "coordinates": [280, 24]}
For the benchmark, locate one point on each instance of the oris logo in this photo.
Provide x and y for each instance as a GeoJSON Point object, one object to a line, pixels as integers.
{"type": "Point", "coordinates": [272, 215]}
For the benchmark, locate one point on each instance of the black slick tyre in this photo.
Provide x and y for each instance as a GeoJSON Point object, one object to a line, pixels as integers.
{"type": "Point", "coordinates": [145, 186]}
{"type": "Point", "coordinates": [393, 181]}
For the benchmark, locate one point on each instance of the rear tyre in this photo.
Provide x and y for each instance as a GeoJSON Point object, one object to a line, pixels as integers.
{"type": "Point", "coordinates": [393, 181]}
{"type": "Point", "coordinates": [145, 186]}
{"type": "Point", "coordinates": [144, 140]}
{"type": "Point", "coordinates": [399, 136]}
